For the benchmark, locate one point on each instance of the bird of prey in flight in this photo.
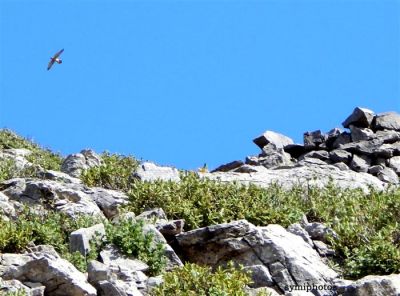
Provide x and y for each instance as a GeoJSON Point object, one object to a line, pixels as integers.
{"type": "Point", "coordinates": [55, 59]}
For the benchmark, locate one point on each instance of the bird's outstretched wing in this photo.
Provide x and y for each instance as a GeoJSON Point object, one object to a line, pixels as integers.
{"type": "Point", "coordinates": [58, 54]}
{"type": "Point", "coordinates": [51, 63]}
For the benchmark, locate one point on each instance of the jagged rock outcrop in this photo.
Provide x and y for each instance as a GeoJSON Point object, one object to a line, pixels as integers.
{"type": "Point", "coordinates": [74, 164]}
{"type": "Point", "coordinates": [44, 266]}
{"type": "Point", "coordinates": [372, 285]}
{"type": "Point", "coordinates": [287, 259]}
{"type": "Point", "coordinates": [344, 157]}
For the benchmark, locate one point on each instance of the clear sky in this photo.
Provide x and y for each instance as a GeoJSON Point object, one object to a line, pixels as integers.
{"type": "Point", "coordinates": [184, 83]}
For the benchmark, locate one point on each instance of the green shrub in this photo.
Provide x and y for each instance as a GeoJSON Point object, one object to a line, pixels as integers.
{"type": "Point", "coordinates": [39, 156]}
{"type": "Point", "coordinates": [203, 202]}
{"type": "Point", "coordinates": [115, 172]}
{"type": "Point", "coordinates": [49, 228]}
{"type": "Point", "coordinates": [192, 279]}
{"type": "Point", "coordinates": [129, 237]}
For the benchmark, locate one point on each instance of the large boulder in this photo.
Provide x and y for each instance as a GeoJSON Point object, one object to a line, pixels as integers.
{"type": "Point", "coordinates": [79, 240]}
{"type": "Point", "coordinates": [74, 164]}
{"type": "Point", "coordinates": [149, 171]}
{"type": "Point", "coordinates": [387, 121]}
{"type": "Point", "coordinates": [64, 197]}
{"type": "Point", "coordinates": [43, 265]}
{"type": "Point", "coordinates": [270, 137]}
{"type": "Point", "coordinates": [361, 117]}
{"type": "Point", "coordinates": [287, 257]}
{"type": "Point", "coordinates": [372, 285]}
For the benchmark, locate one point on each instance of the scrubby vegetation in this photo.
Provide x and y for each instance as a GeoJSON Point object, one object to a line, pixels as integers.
{"type": "Point", "coordinates": [192, 279]}
{"type": "Point", "coordinates": [44, 158]}
{"type": "Point", "coordinates": [129, 236]}
{"type": "Point", "coordinates": [115, 172]}
{"type": "Point", "coordinates": [54, 228]}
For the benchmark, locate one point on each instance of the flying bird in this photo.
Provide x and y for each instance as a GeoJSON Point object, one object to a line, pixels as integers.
{"type": "Point", "coordinates": [55, 59]}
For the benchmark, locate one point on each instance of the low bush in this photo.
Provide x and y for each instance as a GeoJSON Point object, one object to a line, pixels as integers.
{"type": "Point", "coordinates": [115, 172]}
{"type": "Point", "coordinates": [128, 235]}
{"type": "Point", "coordinates": [192, 279]}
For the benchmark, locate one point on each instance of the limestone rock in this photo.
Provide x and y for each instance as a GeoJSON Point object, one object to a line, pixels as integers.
{"type": "Point", "coordinates": [388, 175]}
{"type": "Point", "coordinates": [68, 198]}
{"type": "Point", "coordinates": [340, 155]}
{"type": "Point", "coordinates": [297, 229]}
{"type": "Point", "coordinates": [307, 174]}
{"type": "Point", "coordinates": [229, 166]}
{"type": "Point", "coordinates": [387, 121]}
{"type": "Point", "coordinates": [278, 140]}
{"type": "Point", "coordinates": [386, 285]}
{"type": "Point", "coordinates": [314, 139]}
{"type": "Point", "coordinates": [74, 164]}
{"type": "Point", "coordinates": [79, 240]}
{"type": "Point", "coordinates": [360, 134]}
{"type": "Point", "coordinates": [260, 276]}
{"type": "Point", "coordinates": [319, 231]}
{"type": "Point", "coordinates": [288, 258]}
{"type": "Point", "coordinates": [360, 163]}
{"type": "Point", "coordinates": [148, 171]}
{"type": "Point", "coordinates": [319, 154]}
{"type": "Point", "coordinates": [361, 117]}
{"type": "Point", "coordinates": [109, 201]}
{"type": "Point", "coordinates": [59, 276]}
{"type": "Point", "coordinates": [394, 163]}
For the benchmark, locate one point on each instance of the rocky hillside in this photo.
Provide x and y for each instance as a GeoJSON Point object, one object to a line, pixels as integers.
{"type": "Point", "coordinates": [320, 218]}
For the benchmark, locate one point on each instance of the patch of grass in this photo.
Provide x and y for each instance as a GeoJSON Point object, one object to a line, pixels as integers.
{"type": "Point", "coordinates": [115, 172]}
{"type": "Point", "coordinates": [192, 279]}
{"type": "Point", "coordinates": [129, 237]}
{"type": "Point", "coordinates": [39, 156]}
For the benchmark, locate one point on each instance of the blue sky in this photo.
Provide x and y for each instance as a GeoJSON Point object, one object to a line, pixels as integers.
{"type": "Point", "coordinates": [184, 83]}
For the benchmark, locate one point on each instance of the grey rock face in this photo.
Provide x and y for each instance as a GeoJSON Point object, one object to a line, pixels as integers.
{"type": "Point", "coordinates": [148, 171]}
{"type": "Point", "coordinates": [361, 117]}
{"type": "Point", "coordinates": [319, 231]}
{"type": "Point", "coordinates": [394, 163]}
{"type": "Point", "coordinates": [342, 139]}
{"type": "Point", "coordinates": [387, 121]}
{"type": "Point", "coordinates": [278, 140]}
{"type": "Point", "coordinates": [360, 163]}
{"type": "Point", "coordinates": [314, 139]}
{"type": "Point", "coordinates": [17, 155]}
{"type": "Point", "coordinates": [260, 276]}
{"type": "Point", "coordinates": [79, 240]}
{"type": "Point", "coordinates": [308, 174]}
{"type": "Point", "coordinates": [58, 275]}
{"type": "Point", "coordinates": [319, 154]}
{"type": "Point", "coordinates": [297, 229]}
{"type": "Point", "coordinates": [109, 201]}
{"type": "Point", "coordinates": [74, 164]}
{"type": "Point", "coordinates": [387, 285]}
{"type": "Point", "coordinates": [287, 257]}
{"type": "Point", "coordinates": [116, 282]}
{"type": "Point", "coordinates": [13, 286]}
{"type": "Point", "coordinates": [229, 166]}
{"type": "Point", "coordinates": [67, 198]}
{"type": "Point", "coordinates": [340, 155]}
{"type": "Point", "coordinates": [360, 134]}
{"type": "Point", "coordinates": [388, 175]}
